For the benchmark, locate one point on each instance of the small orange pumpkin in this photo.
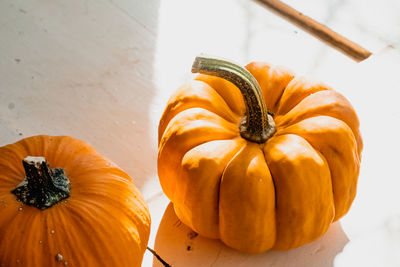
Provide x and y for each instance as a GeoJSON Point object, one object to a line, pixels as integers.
{"type": "Point", "coordinates": [258, 158]}
{"type": "Point", "coordinates": [84, 212]}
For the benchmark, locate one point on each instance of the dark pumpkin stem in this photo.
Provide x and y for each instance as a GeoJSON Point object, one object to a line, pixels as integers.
{"type": "Point", "coordinates": [257, 125]}
{"type": "Point", "coordinates": [158, 257]}
{"type": "Point", "coordinates": [42, 187]}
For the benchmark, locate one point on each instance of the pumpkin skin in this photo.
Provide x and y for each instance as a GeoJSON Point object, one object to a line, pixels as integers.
{"type": "Point", "coordinates": [254, 197]}
{"type": "Point", "coordinates": [104, 222]}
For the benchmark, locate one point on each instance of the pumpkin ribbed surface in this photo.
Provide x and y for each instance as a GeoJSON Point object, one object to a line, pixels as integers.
{"type": "Point", "coordinates": [279, 194]}
{"type": "Point", "coordinates": [104, 222]}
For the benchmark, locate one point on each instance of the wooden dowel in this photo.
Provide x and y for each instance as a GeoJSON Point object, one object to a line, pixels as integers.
{"type": "Point", "coordinates": [319, 30]}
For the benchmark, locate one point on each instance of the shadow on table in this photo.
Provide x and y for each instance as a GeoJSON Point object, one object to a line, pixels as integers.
{"type": "Point", "coordinates": [83, 69]}
{"type": "Point", "coordinates": [179, 246]}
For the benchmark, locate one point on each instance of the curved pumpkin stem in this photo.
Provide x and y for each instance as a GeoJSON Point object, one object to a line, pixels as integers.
{"type": "Point", "coordinates": [42, 187]}
{"type": "Point", "coordinates": [257, 125]}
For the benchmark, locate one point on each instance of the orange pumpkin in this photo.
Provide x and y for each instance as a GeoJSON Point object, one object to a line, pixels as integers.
{"type": "Point", "coordinates": [258, 158]}
{"type": "Point", "coordinates": [84, 212]}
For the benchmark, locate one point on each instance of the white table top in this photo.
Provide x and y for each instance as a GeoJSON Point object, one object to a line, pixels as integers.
{"type": "Point", "coordinates": [102, 71]}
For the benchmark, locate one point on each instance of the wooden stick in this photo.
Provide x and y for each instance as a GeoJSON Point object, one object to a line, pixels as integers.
{"type": "Point", "coordinates": [319, 30]}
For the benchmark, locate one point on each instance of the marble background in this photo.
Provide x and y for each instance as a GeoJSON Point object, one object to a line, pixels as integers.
{"type": "Point", "coordinates": [102, 71]}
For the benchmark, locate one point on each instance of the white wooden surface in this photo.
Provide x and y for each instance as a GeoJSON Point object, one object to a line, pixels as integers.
{"type": "Point", "coordinates": [102, 71]}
